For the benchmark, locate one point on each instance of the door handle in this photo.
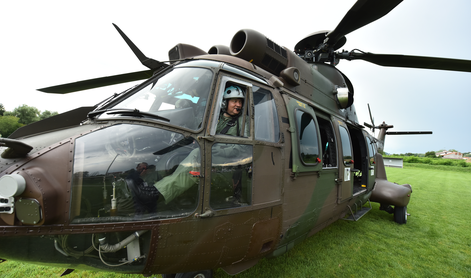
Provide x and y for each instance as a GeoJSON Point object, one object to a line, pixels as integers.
{"type": "Point", "coordinates": [207, 214]}
{"type": "Point", "coordinates": [209, 138]}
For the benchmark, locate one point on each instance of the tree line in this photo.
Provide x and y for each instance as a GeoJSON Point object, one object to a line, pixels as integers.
{"type": "Point", "coordinates": [431, 154]}
{"type": "Point", "coordinates": [20, 116]}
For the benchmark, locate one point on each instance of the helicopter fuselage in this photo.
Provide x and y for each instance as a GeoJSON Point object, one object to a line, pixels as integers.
{"type": "Point", "coordinates": [204, 200]}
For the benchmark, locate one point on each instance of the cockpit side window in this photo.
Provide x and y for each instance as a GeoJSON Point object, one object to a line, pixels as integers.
{"type": "Point", "coordinates": [129, 172]}
{"type": "Point", "coordinates": [232, 116]}
{"type": "Point", "coordinates": [231, 175]}
{"type": "Point", "coordinates": [266, 117]}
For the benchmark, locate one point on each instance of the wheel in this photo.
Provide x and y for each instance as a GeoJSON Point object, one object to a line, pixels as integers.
{"type": "Point", "coordinates": [196, 274]}
{"type": "Point", "coordinates": [400, 214]}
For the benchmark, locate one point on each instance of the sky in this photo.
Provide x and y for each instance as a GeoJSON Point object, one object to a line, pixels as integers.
{"type": "Point", "coordinates": [46, 43]}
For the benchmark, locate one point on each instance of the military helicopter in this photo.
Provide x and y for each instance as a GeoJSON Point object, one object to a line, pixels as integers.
{"type": "Point", "coordinates": [144, 182]}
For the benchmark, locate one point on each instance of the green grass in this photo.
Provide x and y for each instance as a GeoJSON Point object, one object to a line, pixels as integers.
{"type": "Point", "coordinates": [435, 242]}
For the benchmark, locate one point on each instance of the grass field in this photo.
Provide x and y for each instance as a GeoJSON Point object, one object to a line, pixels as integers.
{"type": "Point", "coordinates": [435, 242]}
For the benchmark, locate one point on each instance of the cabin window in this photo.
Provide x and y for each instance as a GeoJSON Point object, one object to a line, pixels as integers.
{"type": "Point", "coordinates": [371, 150]}
{"type": "Point", "coordinates": [328, 146]}
{"type": "Point", "coordinates": [266, 118]}
{"type": "Point", "coordinates": [307, 138]}
{"type": "Point", "coordinates": [231, 176]}
{"type": "Point", "coordinates": [346, 146]}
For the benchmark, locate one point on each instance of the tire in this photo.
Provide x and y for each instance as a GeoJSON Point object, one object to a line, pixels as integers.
{"type": "Point", "coordinates": [196, 274]}
{"type": "Point", "coordinates": [400, 214]}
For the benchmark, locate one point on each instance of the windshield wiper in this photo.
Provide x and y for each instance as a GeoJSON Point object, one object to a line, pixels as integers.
{"type": "Point", "coordinates": [93, 114]}
{"type": "Point", "coordinates": [127, 112]}
{"type": "Point", "coordinates": [137, 113]}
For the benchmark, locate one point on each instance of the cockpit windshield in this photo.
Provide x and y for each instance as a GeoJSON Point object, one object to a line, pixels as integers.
{"type": "Point", "coordinates": [179, 98]}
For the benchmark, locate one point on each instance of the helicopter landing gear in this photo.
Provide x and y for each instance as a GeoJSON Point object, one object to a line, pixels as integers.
{"type": "Point", "coordinates": [400, 214]}
{"type": "Point", "coordinates": [194, 274]}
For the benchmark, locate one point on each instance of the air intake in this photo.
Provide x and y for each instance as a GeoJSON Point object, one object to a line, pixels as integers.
{"type": "Point", "coordinates": [255, 48]}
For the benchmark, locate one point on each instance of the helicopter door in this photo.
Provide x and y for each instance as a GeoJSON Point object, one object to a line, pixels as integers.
{"type": "Point", "coordinates": [238, 162]}
{"type": "Point", "coordinates": [306, 156]}
{"type": "Point", "coordinates": [360, 160]}
{"type": "Point", "coordinates": [229, 175]}
{"type": "Point", "coordinates": [243, 175]}
{"type": "Point", "coordinates": [345, 179]}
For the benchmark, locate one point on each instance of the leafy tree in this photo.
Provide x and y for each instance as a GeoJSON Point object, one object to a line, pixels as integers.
{"type": "Point", "coordinates": [20, 116]}
{"type": "Point", "coordinates": [430, 154]}
{"type": "Point", "coordinates": [26, 114]}
{"type": "Point", "coordinates": [46, 114]}
{"type": "Point", "coordinates": [8, 124]}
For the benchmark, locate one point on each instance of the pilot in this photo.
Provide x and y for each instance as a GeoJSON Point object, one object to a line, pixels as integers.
{"type": "Point", "coordinates": [144, 195]}
{"type": "Point", "coordinates": [136, 174]}
{"type": "Point", "coordinates": [229, 123]}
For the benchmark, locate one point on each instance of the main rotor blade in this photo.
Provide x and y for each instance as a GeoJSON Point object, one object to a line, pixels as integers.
{"type": "Point", "coordinates": [405, 61]}
{"type": "Point", "coordinates": [362, 13]}
{"type": "Point", "coordinates": [98, 82]}
{"type": "Point", "coordinates": [148, 62]}
{"type": "Point", "coordinates": [408, 132]}
{"type": "Point", "coordinates": [371, 116]}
